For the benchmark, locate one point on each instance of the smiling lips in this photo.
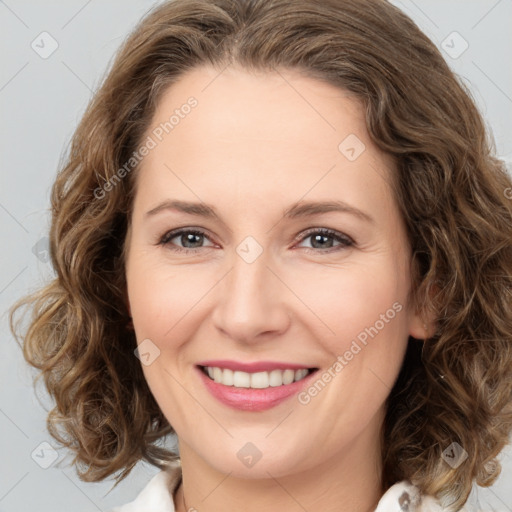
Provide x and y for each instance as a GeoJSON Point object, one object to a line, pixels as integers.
{"type": "Point", "coordinates": [253, 386]}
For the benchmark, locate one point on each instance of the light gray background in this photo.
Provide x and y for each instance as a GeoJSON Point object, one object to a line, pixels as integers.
{"type": "Point", "coordinates": [41, 101]}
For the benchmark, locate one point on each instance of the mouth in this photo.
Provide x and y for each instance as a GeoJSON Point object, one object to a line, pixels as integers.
{"type": "Point", "coordinates": [255, 380]}
{"type": "Point", "coordinates": [254, 386]}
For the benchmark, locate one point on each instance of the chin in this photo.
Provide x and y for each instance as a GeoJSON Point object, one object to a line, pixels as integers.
{"type": "Point", "coordinates": [257, 460]}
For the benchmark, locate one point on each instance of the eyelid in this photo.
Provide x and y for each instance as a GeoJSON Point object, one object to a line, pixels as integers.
{"type": "Point", "coordinates": [169, 235]}
{"type": "Point", "coordinates": [345, 240]}
{"type": "Point", "coordinates": [325, 231]}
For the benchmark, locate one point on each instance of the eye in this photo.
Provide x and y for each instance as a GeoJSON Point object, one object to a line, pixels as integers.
{"type": "Point", "coordinates": [190, 238]}
{"type": "Point", "coordinates": [322, 238]}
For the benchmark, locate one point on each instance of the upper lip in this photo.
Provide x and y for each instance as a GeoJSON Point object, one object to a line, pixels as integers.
{"type": "Point", "coordinates": [257, 366]}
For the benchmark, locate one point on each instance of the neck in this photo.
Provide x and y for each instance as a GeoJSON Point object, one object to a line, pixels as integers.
{"type": "Point", "coordinates": [349, 481]}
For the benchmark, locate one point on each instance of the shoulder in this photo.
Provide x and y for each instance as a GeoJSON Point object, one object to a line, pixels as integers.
{"type": "Point", "coordinates": [157, 495]}
{"type": "Point", "coordinates": [405, 497]}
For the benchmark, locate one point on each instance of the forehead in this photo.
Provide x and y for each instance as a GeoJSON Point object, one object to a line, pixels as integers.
{"type": "Point", "coordinates": [257, 130]}
{"type": "Point", "coordinates": [278, 107]}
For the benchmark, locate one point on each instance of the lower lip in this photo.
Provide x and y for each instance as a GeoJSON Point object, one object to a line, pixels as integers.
{"type": "Point", "coordinates": [249, 399]}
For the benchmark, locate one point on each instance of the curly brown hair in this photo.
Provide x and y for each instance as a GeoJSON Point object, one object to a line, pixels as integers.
{"type": "Point", "coordinates": [455, 386]}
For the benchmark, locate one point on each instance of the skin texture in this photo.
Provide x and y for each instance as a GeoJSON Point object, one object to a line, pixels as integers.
{"type": "Point", "coordinates": [255, 144]}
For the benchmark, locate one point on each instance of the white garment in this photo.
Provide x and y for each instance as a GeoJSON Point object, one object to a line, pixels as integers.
{"type": "Point", "coordinates": [157, 496]}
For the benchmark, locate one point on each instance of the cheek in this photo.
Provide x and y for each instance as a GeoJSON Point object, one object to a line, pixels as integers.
{"type": "Point", "coordinates": [163, 297]}
{"type": "Point", "coordinates": [363, 328]}
{"type": "Point", "coordinates": [348, 302]}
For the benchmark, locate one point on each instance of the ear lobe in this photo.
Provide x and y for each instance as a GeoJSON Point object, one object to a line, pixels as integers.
{"type": "Point", "coordinates": [424, 323]}
{"type": "Point", "coordinates": [421, 328]}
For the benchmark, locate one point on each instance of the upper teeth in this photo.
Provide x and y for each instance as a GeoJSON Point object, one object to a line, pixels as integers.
{"type": "Point", "coordinates": [258, 380]}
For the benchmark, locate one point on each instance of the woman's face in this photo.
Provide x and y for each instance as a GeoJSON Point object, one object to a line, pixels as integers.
{"type": "Point", "coordinates": [259, 280]}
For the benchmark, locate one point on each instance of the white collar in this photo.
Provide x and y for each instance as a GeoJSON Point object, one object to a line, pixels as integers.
{"type": "Point", "coordinates": [157, 496]}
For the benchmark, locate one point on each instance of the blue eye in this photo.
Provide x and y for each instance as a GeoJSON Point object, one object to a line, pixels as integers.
{"type": "Point", "coordinates": [322, 240]}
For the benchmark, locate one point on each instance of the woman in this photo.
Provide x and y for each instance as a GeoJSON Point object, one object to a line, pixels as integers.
{"type": "Point", "coordinates": [338, 334]}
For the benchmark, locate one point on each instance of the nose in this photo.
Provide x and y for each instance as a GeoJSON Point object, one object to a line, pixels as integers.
{"type": "Point", "coordinates": [251, 302]}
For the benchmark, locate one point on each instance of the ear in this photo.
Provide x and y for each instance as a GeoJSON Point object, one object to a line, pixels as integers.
{"type": "Point", "coordinates": [423, 323]}
{"type": "Point", "coordinates": [422, 328]}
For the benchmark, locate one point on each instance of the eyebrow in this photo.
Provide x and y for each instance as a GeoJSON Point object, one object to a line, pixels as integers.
{"type": "Point", "coordinates": [300, 209]}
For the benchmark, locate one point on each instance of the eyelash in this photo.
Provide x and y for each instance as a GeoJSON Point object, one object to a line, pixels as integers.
{"type": "Point", "coordinates": [344, 240]}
